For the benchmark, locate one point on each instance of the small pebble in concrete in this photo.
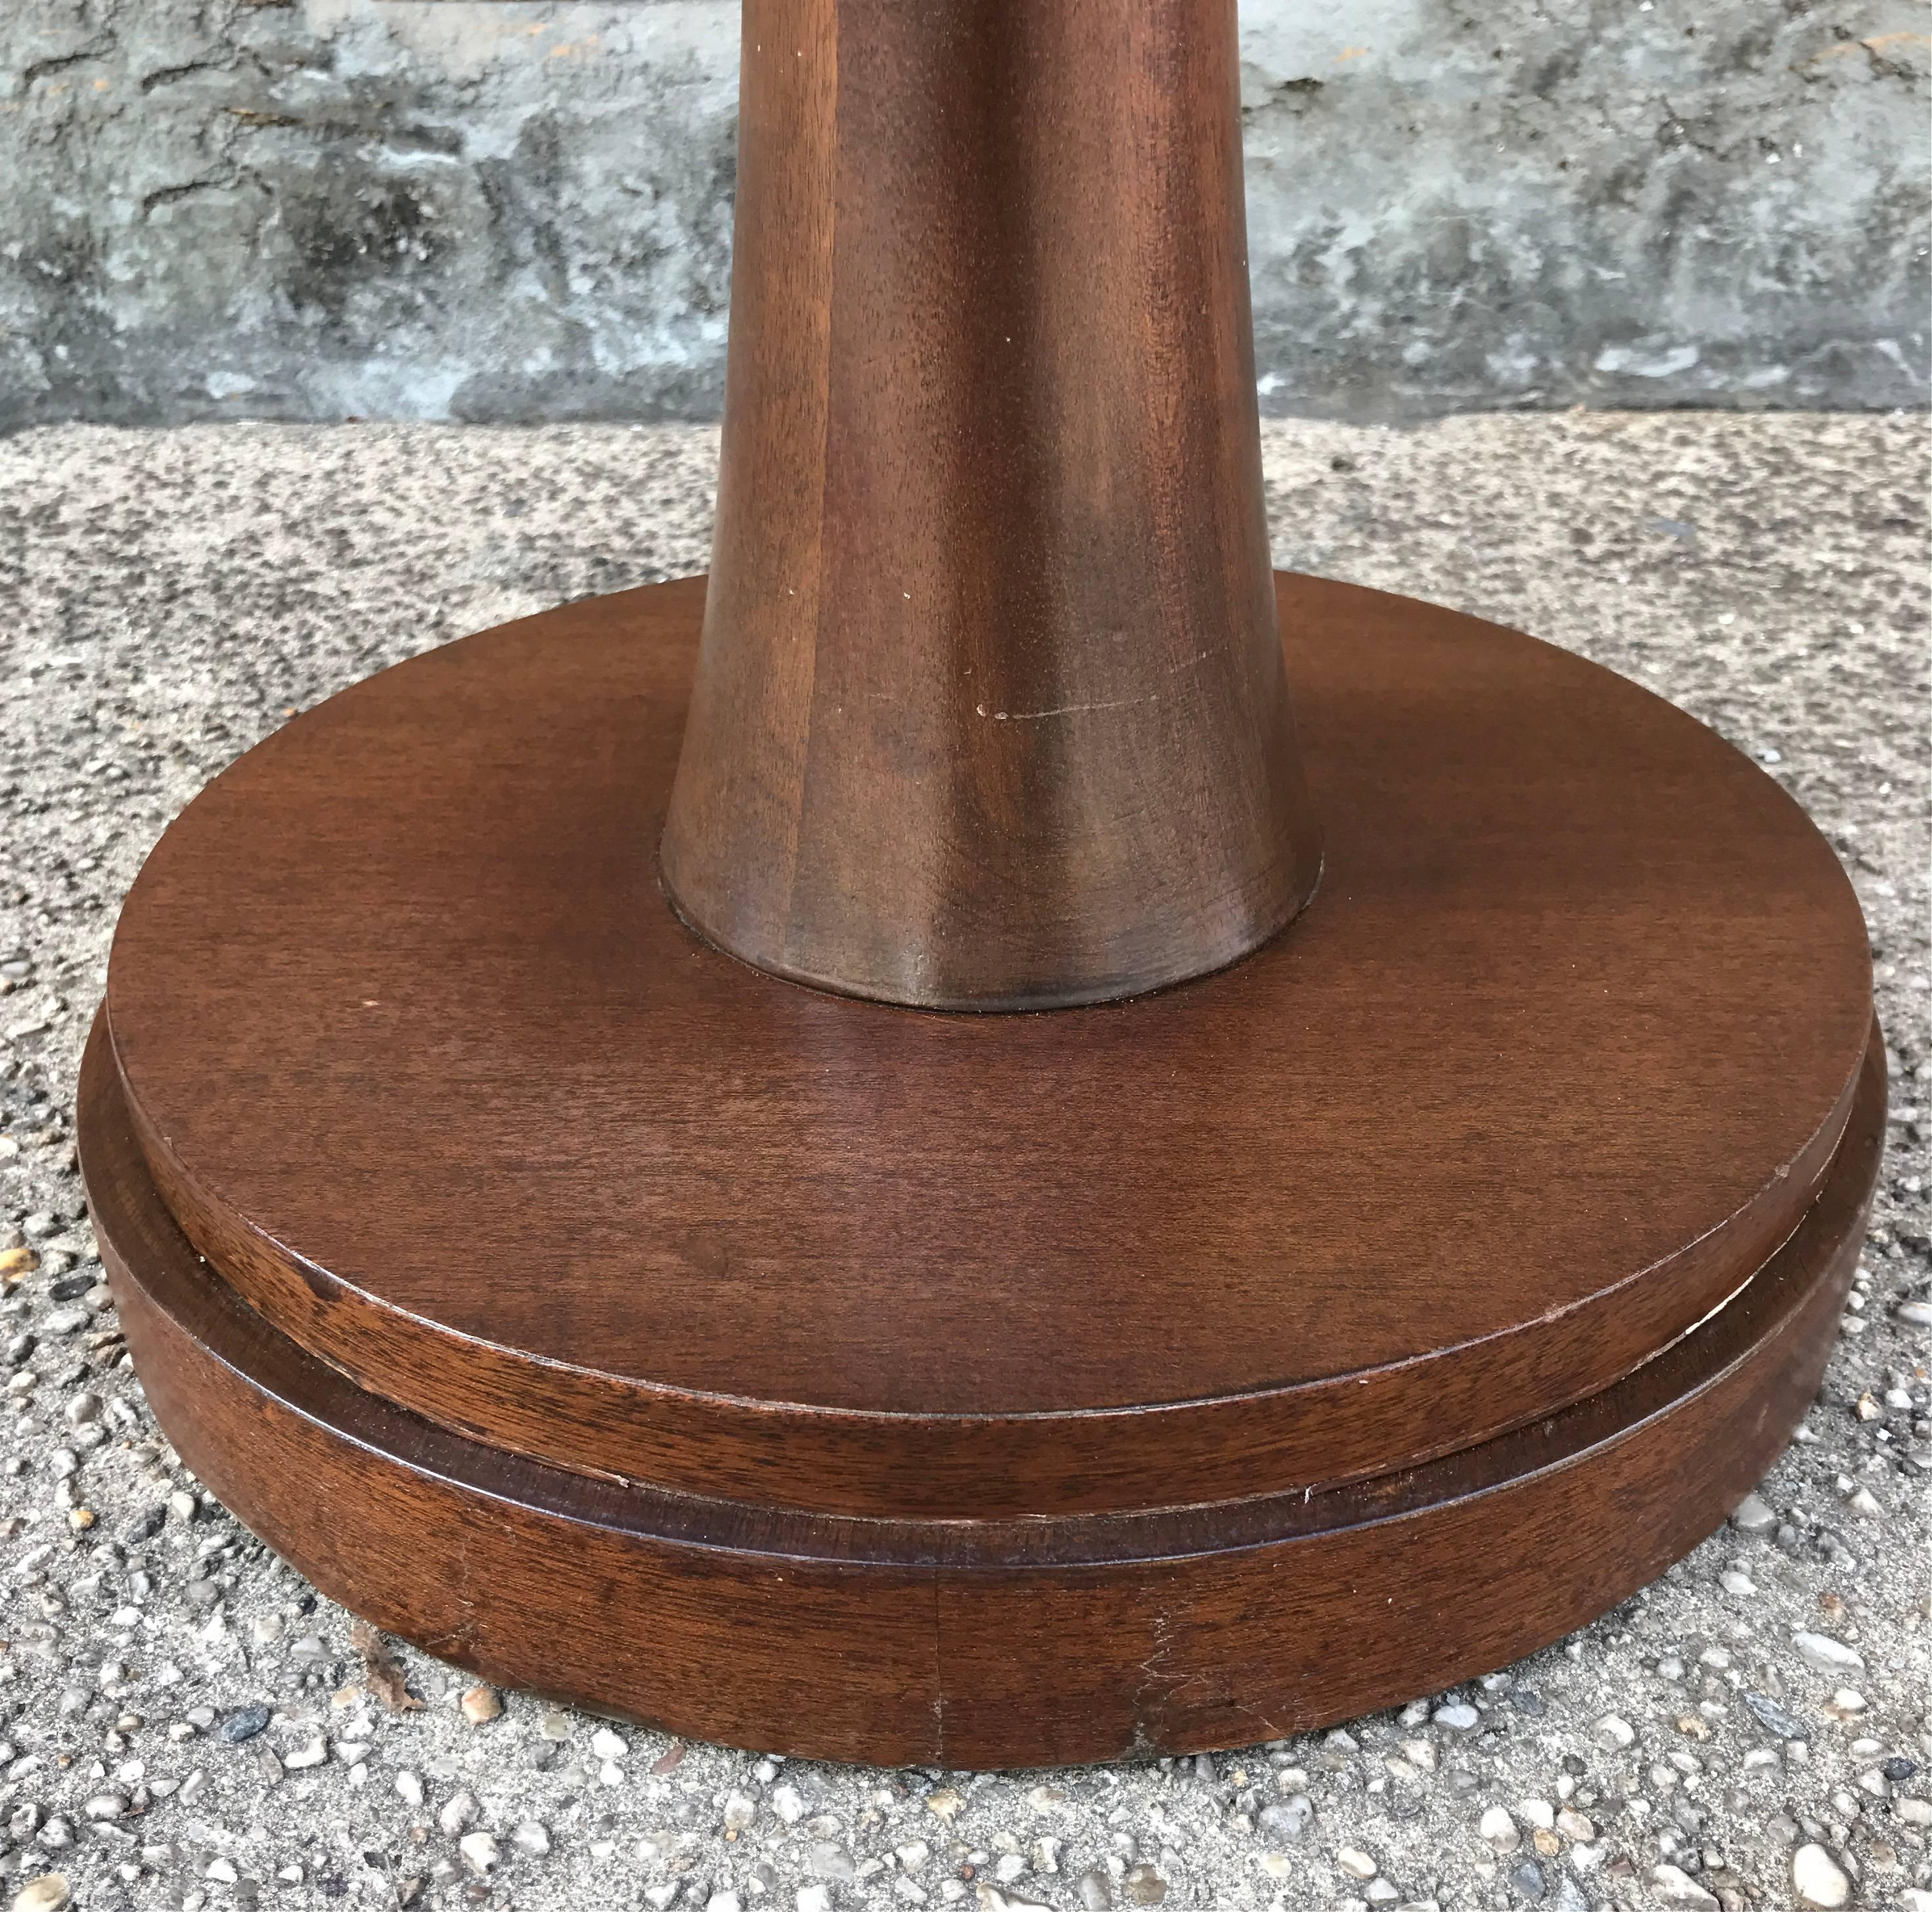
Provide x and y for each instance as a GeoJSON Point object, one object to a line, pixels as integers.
{"type": "Point", "coordinates": [479, 1853]}
{"type": "Point", "coordinates": [1675, 1886]}
{"type": "Point", "coordinates": [1770, 1713]}
{"type": "Point", "coordinates": [481, 1704]}
{"type": "Point", "coordinates": [1286, 1822]}
{"type": "Point", "coordinates": [1817, 1877]}
{"type": "Point", "coordinates": [830, 1860]}
{"type": "Point", "coordinates": [245, 1723]}
{"type": "Point", "coordinates": [459, 1812]}
{"type": "Point", "coordinates": [1826, 1654]}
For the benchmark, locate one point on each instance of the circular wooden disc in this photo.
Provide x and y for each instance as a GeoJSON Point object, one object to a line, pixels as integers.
{"type": "Point", "coordinates": [425, 1065]}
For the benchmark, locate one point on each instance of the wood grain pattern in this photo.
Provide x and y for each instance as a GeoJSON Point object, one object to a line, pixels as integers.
{"type": "Point", "coordinates": [968, 1644]}
{"type": "Point", "coordinates": [990, 712]}
{"type": "Point", "coordinates": [424, 1064]}
{"type": "Point", "coordinates": [811, 1372]}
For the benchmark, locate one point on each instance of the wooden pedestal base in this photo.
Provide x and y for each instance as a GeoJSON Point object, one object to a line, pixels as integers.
{"type": "Point", "coordinates": [818, 1375]}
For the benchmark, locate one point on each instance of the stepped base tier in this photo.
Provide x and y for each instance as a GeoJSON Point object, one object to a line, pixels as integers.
{"type": "Point", "coordinates": [613, 1319]}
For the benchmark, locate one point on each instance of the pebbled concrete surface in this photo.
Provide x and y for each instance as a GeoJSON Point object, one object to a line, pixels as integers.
{"type": "Point", "coordinates": [186, 1725]}
{"type": "Point", "coordinates": [504, 210]}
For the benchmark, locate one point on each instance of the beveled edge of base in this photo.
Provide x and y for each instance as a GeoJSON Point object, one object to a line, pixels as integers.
{"type": "Point", "coordinates": [1173, 1632]}
{"type": "Point", "coordinates": [149, 1250]}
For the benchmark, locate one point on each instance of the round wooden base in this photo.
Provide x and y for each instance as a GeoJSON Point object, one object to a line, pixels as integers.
{"type": "Point", "coordinates": [627, 1324]}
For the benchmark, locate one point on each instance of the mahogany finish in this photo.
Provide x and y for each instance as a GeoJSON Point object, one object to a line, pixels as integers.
{"type": "Point", "coordinates": [825, 1375]}
{"type": "Point", "coordinates": [990, 712]}
{"type": "Point", "coordinates": [598, 1195]}
{"type": "Point", "coordinates": [972, 1644]}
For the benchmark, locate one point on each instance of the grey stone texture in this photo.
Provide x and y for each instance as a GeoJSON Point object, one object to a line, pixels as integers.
{"type": "Point", "coordinates": [171, 597]}
{"type": "Point", "coordinates": [494, 210]}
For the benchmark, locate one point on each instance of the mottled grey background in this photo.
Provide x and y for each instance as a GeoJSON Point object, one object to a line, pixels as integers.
{"type": "Point", "coordinates": [492, 209]}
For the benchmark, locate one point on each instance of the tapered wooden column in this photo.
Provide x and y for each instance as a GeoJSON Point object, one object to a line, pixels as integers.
{"type": "Point", "coordinates": [990, 710]}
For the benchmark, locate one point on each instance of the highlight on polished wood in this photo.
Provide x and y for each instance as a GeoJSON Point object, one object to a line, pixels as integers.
{"type": "Point", "coordinates": [1344, 1290]}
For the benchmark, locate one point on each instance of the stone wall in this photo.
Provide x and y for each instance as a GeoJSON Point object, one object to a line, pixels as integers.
{"type": "Point", "coordinates": [494, 209]}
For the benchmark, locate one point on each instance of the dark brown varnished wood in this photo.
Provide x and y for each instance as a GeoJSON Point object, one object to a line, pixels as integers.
{"type": "Point", "coordinates": [421, 1063]}
{"type": "Point", "coordinates": [607, 1314]}
{"type": "Point", "coordinates": [972, 1644]}
{"type": "Point", "coordinates": [990, 712]}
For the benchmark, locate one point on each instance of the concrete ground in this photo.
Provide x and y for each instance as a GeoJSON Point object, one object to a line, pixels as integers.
{"type": "Point", "coordinates": [186, 1725]}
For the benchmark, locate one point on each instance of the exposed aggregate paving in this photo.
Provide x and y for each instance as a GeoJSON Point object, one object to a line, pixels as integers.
{"type": "Point", "coordinates": [184, 1723]}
